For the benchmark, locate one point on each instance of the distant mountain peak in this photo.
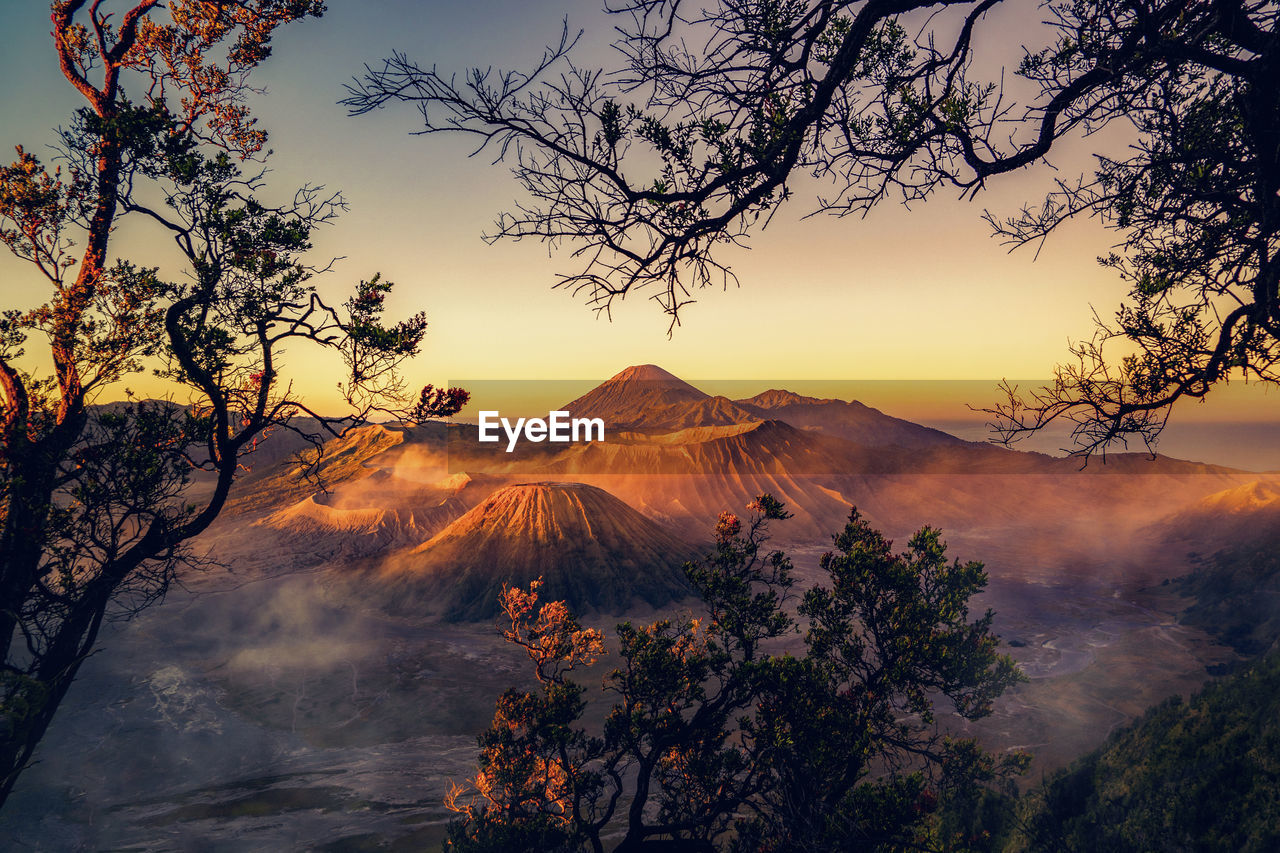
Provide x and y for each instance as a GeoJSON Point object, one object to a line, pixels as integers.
{"type": "Point", "coordinates": [648, 373]}
{"type": "Point", "coordinates": [634, 395]}
{"type": "Point", "coordinates": [776, 398]}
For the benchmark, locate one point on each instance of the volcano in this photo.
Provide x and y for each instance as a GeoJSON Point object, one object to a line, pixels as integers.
{"type": "Point", "coordinates": [646, 397]}
{"type": "Point", "coordinates": [590, 549]}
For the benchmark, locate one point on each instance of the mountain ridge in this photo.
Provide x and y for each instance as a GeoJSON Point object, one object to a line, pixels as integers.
{"type": "Point", "coordinates": [852, 420]}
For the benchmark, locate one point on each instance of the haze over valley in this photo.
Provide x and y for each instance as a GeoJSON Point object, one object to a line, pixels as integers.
{"type": "Point", "coordinates": [322, 683]}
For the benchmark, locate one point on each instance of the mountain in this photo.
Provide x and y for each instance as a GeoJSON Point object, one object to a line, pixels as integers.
{"type": "Point", "coordinates": [686, 477]}
{"type": "Point", "coordinates": [590, 549]}
{"type": "Point", "coordinates": [327, 532]}
{"type": "Point", "coordinates": [852, 420]}
{"type": "Point", "coordinates": [646, 397]}
{"type": "Point", "coordinates": [639, 383]}
{"type": "Point", "coordinates": [1036, 515]}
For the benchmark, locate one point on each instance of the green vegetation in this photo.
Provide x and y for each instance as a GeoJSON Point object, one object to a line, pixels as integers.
{"type": "Point", "coordinates": [1200, 775]}
{"type": "Point", "coordinates": [717, 740]}
{"type": "Point", "coordinates": [703, 706]}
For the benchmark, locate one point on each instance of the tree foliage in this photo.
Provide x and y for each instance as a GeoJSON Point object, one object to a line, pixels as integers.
{"type": "Point", "coordinates": [96, 508]}
{"type": "Point", "coordinates": [649, 169]}
{"type": "Point", "coordinates": [1197, 775]}
{"type": "Point", "coordinates": [717, 738]}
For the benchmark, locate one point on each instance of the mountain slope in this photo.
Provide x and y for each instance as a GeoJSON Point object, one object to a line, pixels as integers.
{"type": "Point", "coordinates": [371, 515]}
{"type": "Point", "coordinates": [343, 459]}
{"type": "Point", "coordinates": [1236, 596]}
{"type": "Point", "coordinates": [1200, 775]}
{"type": "Point", "coordinates": [1235, 573]}
{"type": "Point", "coordinates": [590, 549]}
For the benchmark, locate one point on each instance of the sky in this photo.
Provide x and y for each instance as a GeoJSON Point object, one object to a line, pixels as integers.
{"type": "Point", "coordinates": [924, 295]}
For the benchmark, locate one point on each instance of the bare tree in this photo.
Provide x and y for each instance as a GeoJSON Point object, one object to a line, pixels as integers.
{"type": "Point", "coordinates": [649, 169]}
